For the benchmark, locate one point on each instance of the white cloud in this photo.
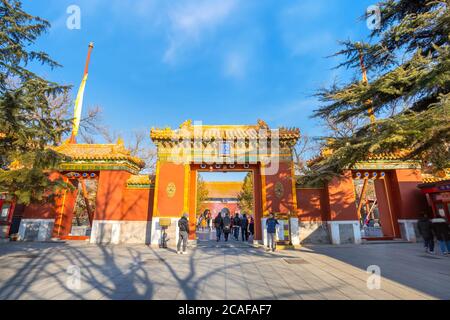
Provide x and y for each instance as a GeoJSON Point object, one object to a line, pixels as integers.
{"type": "Point", "coordinates": [301, 28]}
{"type": "Point", "coordinates": [189, 21]}
{"type": "Point", "coordinates": [317, 43]}
{"type": "Point", "coordinates": [235, 65]}
{"type": "Point", "coordinates": [293, 111]}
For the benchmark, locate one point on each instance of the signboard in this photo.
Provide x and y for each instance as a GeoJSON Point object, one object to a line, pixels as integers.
{"type": "Point", "coordinates": [225, 149]}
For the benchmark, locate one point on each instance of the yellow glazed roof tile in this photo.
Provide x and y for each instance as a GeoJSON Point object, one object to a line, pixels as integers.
{"type": "Point", "coordinates": [223, 189]}
{"type": "Point", "coordinates": [140, 179]}
{"type": "Point", "coordinates": [94, 152]}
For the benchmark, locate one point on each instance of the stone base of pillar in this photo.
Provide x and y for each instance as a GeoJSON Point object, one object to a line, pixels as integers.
{"type": "Point", "coordinates": [314, 232]}
{"type": "Point", "coordinates": [36, 229]}
{"type": "Point", "coordinates": [171, 231]}
{"type": "Point", "coordinates": [408, 230]}
{"type": "Point", "coordinates": [4, 229]}
{"type": "Point", "coordinates": [295, 232]}
{"type": "Point", "coordinates": [118, 232]}
{"type": "Point", "coordinates": [345, 232]}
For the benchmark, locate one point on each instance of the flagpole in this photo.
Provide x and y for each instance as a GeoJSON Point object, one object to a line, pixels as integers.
{"type": "Point", "coordinates": [366, 81]}
{"type": "Point", "coordinates": [79, 100]}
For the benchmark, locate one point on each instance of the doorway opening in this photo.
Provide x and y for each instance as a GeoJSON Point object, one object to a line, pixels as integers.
{"type": "Point", "coordinates": [374, 205]}
{"type": "Point", "coordinates": [367, 209]}
{"type": "Point", "coordinates": [226, 194]}
{"type": "Point", "coordinates": [86, 195]}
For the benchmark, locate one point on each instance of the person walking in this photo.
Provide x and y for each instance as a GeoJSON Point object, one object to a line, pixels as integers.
{"type": "Point", "coordinates": [226, 226]}
{"type": "Point", "coordinates": [440, 229]}
{"type": "Point", "coordinates": [199, 222]}
{"type": "Point", "coordinates": [271, 225]}
{"type": "Point", "coordinates": [204, 220]}
{"type": "Point", "coordinates": [208, 219]}
{"type": "Point", "coordinates": [183, 227]}
{"type": "Point", "coordinates": [425, 230]}
{"type": "Point", "coordinates": [244, 228]}
{"type": "Point", "coordinates": [236, 226]}
{"type": "Point", "coordinates": [251, 228]}
{"type": "Point", "coordinates": [218, 224]}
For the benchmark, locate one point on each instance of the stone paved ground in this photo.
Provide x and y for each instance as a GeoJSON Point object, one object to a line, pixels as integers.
{"type": "Point", "coordinates": [39, 271]}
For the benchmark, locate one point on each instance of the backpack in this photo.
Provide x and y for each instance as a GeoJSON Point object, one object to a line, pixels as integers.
{"type": "Point", "coordinates": [226, 224]}
{"type": "Point", "coordinates": [218, 222]}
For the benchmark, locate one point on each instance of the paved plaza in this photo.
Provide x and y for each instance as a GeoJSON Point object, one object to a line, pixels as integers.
{"type": "Point", "coordinates": [234, 271]}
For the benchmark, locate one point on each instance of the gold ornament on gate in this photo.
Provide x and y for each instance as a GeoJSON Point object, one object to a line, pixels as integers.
{"type": "Point", "coordinates": [279, 190]}
{"type": "Point", "coordinates": [171, 190]}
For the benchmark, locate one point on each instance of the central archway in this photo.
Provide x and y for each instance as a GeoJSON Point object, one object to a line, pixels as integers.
{"type": "Point", "coordinates": [255, 169]}
{"type": "Point", "coordinates": [193, 148]}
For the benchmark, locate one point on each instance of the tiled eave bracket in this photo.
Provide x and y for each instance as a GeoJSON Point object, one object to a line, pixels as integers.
{"type": "Point", "coordinates": [98, 157]}
{"type": "Point", "coordinates": [140, 182]}
{"type": "Point", "coordinates": [386, 165]}
{"type": "Point", "coordinates": [100, 165]}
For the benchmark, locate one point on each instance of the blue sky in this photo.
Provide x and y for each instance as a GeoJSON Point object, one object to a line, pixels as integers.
{"type": "Point", "coordinates": [223, 176]}
{"type": "Point", "coordinates": [158, 63]}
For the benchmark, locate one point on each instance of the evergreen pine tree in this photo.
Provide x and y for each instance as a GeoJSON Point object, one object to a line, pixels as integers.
{"type": "Point", "coordinates": [27, 123]}
{"type": "Point", "coordinates": [245, 197]}
{"type": "Point", "coordinates": [408, 63]}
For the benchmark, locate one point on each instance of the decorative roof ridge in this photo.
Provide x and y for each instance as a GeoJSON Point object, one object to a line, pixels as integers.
{"type": "Point", "coordinates": [398, 155]}
{"type": "Point", "coordinates": [187, 129]}
{"type": "Point", "coordinates": [140, 179]}
{"type": "Point", "coordinates": [117, 151]}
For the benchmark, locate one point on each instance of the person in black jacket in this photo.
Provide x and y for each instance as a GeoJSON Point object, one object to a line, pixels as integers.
{"type": "Point", "coordinates": [218, 224]}
{"type": "Point", "coordinates": [244, 227]}
{"type": "Point", "coordinates": [226, 225]}
{"type": "Point", "coordinates": [183, 226]}
{"type": "Point", "coordinates": [425, 229]}
{"type": "Point", "coordinates": [236, 226]}
{"type": "Point", "coordinates": [440, 229]}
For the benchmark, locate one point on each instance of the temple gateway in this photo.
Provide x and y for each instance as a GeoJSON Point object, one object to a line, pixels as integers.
{"type": "Point", "coordinates": [112, 203]}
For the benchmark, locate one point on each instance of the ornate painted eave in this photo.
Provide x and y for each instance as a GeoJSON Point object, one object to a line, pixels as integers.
{"type": "Point", "coordinates": [140, 182]}
{"type": "Point", "coordinates": [98, 157]}
{"type": "Point", "coordinates": [188, 131]}
{"type": "Point", "coordinates": [377, 161]}
{"type": "Point", "coordinates": [442, 175]}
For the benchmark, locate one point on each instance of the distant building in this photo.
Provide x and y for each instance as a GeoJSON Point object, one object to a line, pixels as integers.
{"type": "Point", "coordinates": [222, 195]}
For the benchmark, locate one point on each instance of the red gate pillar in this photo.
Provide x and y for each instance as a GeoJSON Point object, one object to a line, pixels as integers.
{"type": "Point", "coordinates": [279, 197]}
{"type": "Point", "coordinates": [408, 201]}
{"type": "Point", "coordinates": [106, 226]}
{"type": "Point", "coordinates": [343, 224]}
{"type": "Point", "coordinates": [171, 199]}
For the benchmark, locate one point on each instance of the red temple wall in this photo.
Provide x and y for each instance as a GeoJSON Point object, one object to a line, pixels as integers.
{"type": "Point", "coordinates": [310, 204]}
{"type": "Point", "coordinates": [342, 200]}
{"type": "Point", "coordinates": [40, 211]}
{"type": "Point", "coordinates": [216, 207]}
{"type": "Point", "coordinates": [408, 196]}
{"type": "Point", "coordinates": [137, 204]}
{"type": "Point", "coordinates": [111, 187]}
{"type": "Point", "coordinates": [46, 210]}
